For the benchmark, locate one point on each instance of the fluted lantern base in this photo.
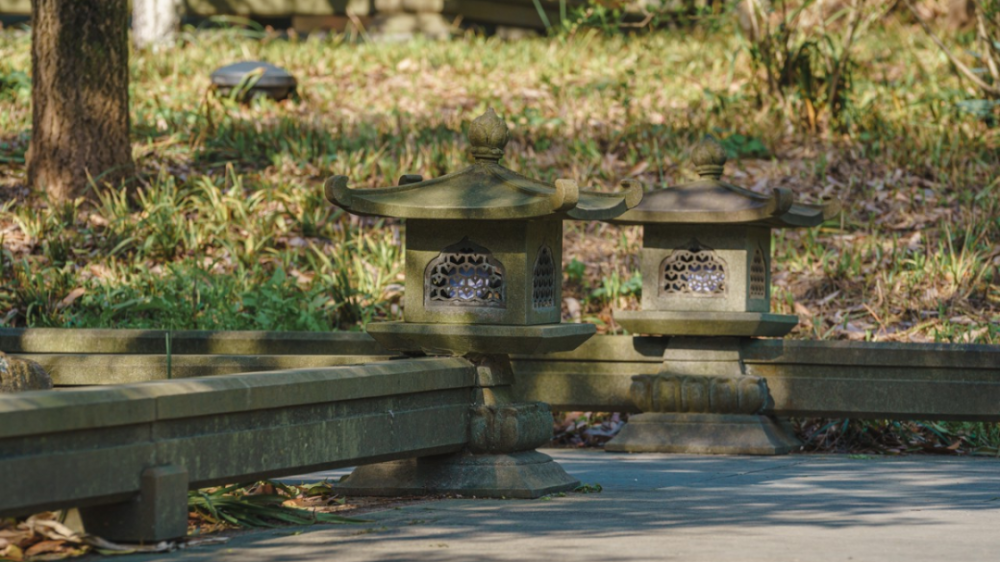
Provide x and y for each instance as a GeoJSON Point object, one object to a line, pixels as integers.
{"type": "Point", "coordinates": [704, 434]}
{"type": "Point", "coordinates": [524, 475]}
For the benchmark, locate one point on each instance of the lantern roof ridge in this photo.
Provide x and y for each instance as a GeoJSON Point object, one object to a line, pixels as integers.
{"type": "Point", "coordinates": [484, 190]}
{"type": "Point", "coordinates": [709, 200]}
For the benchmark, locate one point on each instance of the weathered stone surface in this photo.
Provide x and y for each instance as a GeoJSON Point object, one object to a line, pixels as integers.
{"type": "Point", "coordinates": [492, 370]}
{"type": "Point", "coordinates": [186, 342]}
{"type": "Point", "coordinates": [838, 379]}
{"type": "Point", "coordinates": [519, 13]}
{"type": "Point", "coordinates": [225, 429]}
{"type": "Point", "coordinates": [696, 257]}
{"type": "Point", "coordinates": [712, 201]}
{"type": "Point", "coordinates": [394, 27]}
{"type": "Point", "coordinates": [101, 369]}
{"type": "Point", "coordinates": [437, 252]}
{"type": "Point", "coordinates": [159, 511]}
{"type": "Point", "coordinates": [928, 381]}
{"type": "Point", "coordinates": [703, 434]}
{"type": "Point", "coordinates": [699, 394]}
{"type": "Point", "coordinates": [510, 428]}
{"type": "Point", "coordinates": [520, 475]}
{"type": "Point", "coordinates": [484, 190]}
{"type": "Point", "coordinates": [433, 25]}
{"type": "Point", "coordinates": [458, 339]}
{"type": "Point", "coordinates": [706, 254]}
{"type": "Point", "coordinates": [18, 375]}
{"type": "Point", "coordinates": [703, 379]}
{"type": "Point", "coordinates": [692, 323]}
{"type": "Point", "coordinates": [392, 6]}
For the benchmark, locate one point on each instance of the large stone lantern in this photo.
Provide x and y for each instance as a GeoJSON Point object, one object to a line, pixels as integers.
{"type": "Point", "coordinates": [706, 268]}
{"type": "Point", "coordinates": [483, 280]}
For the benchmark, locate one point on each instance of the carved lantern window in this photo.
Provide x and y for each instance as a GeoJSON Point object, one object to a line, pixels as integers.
{"type": "Point", "coordinates": [543, 291]}
{"type": "Point", "coordinates": [695, 271]}
{"type": "Point", "coordinates": [758, 276]}
{"type": "Point", "coordinates": [465, 274]}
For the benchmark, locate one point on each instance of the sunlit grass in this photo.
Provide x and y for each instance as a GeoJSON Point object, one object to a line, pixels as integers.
{"type": "Point", "coordinates": [229, 228]}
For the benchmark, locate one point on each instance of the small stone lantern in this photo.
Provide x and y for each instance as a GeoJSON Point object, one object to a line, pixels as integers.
{"type": "Point", "coordinates": [483, 280]}
{"type": "Point", "coordinates": [706, 268]}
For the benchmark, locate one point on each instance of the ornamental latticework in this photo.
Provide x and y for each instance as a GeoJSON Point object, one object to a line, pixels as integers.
{"type": "Point", "coordinates": [543, 292]}
{"type": "Point", "coordinates": [758, 276]}
{"type": "Point", "coordinates": [693, 272]}
{"type": "Point", "coordinates": [465, 274]}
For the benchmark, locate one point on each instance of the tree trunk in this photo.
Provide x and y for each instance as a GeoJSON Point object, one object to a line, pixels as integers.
{"type": "Point", "coordinates": [154, 22]}
{"type": "Point", "coordinates": [79, 96]}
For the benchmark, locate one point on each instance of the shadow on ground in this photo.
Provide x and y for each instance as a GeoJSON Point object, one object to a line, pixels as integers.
{"type": "Point", "coordinates": [662, 507]}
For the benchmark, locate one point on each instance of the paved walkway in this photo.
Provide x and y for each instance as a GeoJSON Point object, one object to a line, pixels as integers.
{"type": "Point", "coordinates": [671, 507]}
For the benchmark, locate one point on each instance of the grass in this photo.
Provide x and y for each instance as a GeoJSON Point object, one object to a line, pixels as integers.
{"type": "Point", "coordinates": [229, 229]}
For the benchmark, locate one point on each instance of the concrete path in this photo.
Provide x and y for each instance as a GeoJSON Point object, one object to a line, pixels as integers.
{"type": "Point", "coordinates": [672, 507]}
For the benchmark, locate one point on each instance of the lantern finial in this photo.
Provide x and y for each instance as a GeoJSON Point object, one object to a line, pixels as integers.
{"type": "Point", "coordinates": [709, 158]}
{"type": "Point", "coordinates": [488, 136]}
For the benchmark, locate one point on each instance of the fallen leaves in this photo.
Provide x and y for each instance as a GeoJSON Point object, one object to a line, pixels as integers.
{"type": "Point", "coordinates": [43, 536]}
{"type": "Point", "coordinates": [586, 429]}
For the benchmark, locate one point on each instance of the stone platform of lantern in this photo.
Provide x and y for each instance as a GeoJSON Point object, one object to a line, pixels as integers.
{"type": "Point", "coordinates": [483, 280]}
{"type": "Point", "coordinates": [706, 269]}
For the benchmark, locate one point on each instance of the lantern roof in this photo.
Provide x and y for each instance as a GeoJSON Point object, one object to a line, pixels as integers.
{"type": "Point", "coordinates": [484, 190]}
{"type": "Point", "coordinates": [709, 200]}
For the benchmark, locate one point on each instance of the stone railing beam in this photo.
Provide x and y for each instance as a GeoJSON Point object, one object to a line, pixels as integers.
{"type": "Point", "coordinates": [207, 431]}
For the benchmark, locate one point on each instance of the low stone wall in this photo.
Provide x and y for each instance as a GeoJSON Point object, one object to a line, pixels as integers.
{"type": "Point", "coordinates": [98, 357]}
{"type": "Point", "coordinates": [825, 378]}
{"type": "Point", "coordinates": [98, 446]}
{"type": "Point", "coordinates": [804, 378]}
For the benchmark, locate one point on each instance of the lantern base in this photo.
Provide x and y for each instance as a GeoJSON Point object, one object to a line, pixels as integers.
{"type": "Point", "coordinates": [704, 434]}
{"type": "Point", "coordinates": [676, 323]}
{"type": "Point", "coordinates": [524, 475]}
{"type": "Point", "coordinates": [460, 339]}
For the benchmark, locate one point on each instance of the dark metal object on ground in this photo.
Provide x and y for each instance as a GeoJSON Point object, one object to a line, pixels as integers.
{"type": "Point", "coordinates": [251, 79]}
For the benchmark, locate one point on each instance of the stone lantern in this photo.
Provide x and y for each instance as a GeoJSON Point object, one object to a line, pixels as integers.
{"type": "Point", "coordinates": [706, 268]}
{"type": "Point", "coordinates": [483, 280]}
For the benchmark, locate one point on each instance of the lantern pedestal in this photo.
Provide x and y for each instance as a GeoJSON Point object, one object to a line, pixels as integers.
{"type": "Point", "coordinates": [499, 460]}
{"type": "Point", "coordinates": [704, 434]}
{"type": "Point", "coordinates": [702, 402]}
{"type": "Point", "coordinates": [459, 339]}
{"type": "Point", "coordinates": [524, 475]}
{"type": "Point", "coordinates": [750, 324]}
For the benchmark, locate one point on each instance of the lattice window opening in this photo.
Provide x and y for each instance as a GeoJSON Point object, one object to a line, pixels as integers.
{"type": "Point", "coordinates": [758, 276]}
{"type": "Point", "coordinates": [694, 272]}
{"type": "Point", "coordinates": [543, 293]}
{"type": "Point", "coordinates": [465, 274]}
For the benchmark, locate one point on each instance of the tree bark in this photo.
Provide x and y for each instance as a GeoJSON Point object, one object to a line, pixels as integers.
{"type": "Point", "coordinates": [79, 96]}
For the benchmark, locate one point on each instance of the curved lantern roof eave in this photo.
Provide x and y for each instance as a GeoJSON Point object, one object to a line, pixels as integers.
{"type": "Point", "coordinates": [485, 190]}
{"type": "Point", "coordinates": [712, 201]}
